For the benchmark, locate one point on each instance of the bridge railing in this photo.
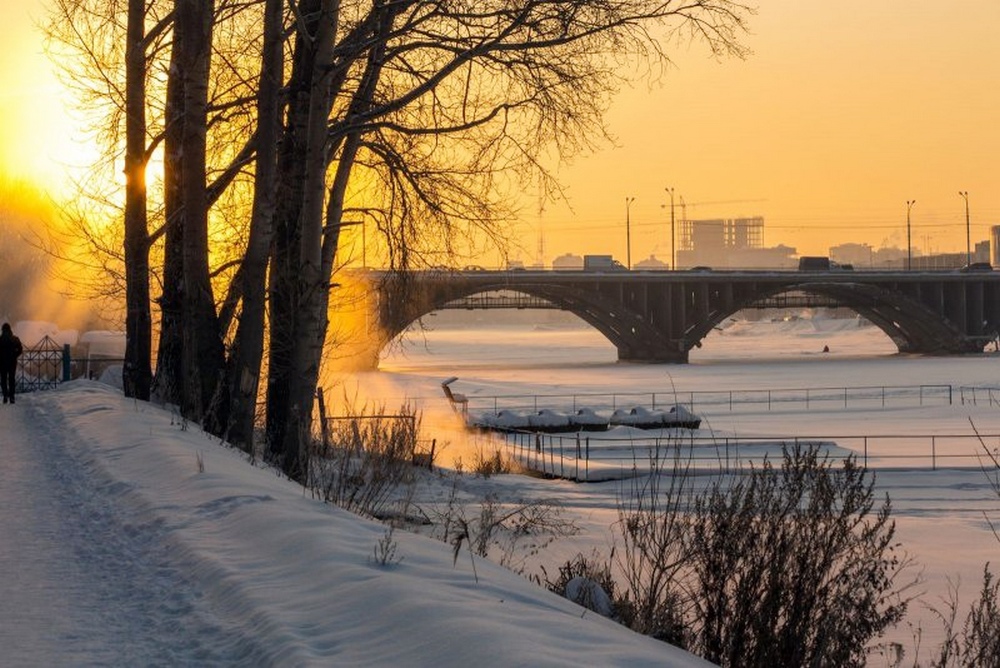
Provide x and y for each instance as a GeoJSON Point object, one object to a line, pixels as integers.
{"type": "Point", "coordinates": [589, 458]}
{"type": "Point", "coordinates": [739, 400]}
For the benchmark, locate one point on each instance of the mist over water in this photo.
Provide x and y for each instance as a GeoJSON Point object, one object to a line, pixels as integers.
{"type": "Point", "coordinates": [550, 353]}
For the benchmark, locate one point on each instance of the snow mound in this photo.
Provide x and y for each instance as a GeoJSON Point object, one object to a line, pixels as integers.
{"type": "Point", "coordinates": [301, 577]}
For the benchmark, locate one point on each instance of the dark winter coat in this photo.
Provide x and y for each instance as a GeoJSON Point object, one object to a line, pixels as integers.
{"type": "Point", "coordinates": [10, 350]}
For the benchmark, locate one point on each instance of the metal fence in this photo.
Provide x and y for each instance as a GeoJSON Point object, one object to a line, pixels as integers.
{"type": "Point", "coordinates": [42, 366]}
{"type": "Point", "coordinates": [979, 396]}
{"type": "Point", "coordinates": [47, 363]}
{"type": "Point", "coordinates": [585, 457]}
{"type": "Point", "coordinates": [798, 398]}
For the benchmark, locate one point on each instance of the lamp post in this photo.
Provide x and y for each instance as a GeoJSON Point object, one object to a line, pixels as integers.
{"type": "Point", "coordinates": [628, 232]}
{"type": "Point", "coordinates": [968, 234]}
{"type": "Point", "coordinates": [909, 257]}
{"type": "Point", "coordinates": [673, 253]}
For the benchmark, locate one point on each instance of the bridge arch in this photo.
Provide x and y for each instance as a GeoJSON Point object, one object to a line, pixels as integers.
{"type": "Point", "coordinates": [627, 331]}
{"type": "Point", "coordinates": [912, 326]}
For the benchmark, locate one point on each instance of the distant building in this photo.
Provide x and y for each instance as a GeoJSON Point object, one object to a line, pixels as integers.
{"type": "Point", "coordinates": [859, 255]}
{"type": "Point", "coordinates": [651, 264]}
{"type": "Point", "coordinates": [896, 258]}
{"type": "Point", "coordinates": [981, 252]}
{"type": "Point", "coordinates": [736, 243]}
{"type": "Point", "coordinates": [568, 261]}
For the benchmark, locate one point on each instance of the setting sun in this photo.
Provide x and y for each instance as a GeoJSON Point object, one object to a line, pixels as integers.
{"type": "Point", "coordinates": [839, 115]}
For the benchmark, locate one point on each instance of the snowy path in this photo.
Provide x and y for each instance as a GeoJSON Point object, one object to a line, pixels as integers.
{"type": "Point", "coordinates": [84, 580]}
{"type": "Point", "coordinates": [130, 538]}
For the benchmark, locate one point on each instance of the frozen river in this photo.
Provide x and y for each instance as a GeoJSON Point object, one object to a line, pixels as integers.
{"type": "Point", "coordinates": [941, 506]}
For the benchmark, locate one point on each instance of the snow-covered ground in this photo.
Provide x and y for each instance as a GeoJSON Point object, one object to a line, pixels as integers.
{"type": "Point", "coordinates": [131, 538]}
{"type": "Point", "coordinates": [941, 501]}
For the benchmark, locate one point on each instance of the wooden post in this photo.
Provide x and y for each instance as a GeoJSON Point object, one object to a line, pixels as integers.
{"type": "Point", "coordinates": [322, 421]}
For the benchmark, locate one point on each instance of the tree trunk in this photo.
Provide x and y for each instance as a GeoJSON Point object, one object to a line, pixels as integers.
{"type": "Point", "coordinates": [137, 371]}
{"type": "Point", "coordinates": [285, 250]}
{"type": "Point", "coordinates": [310, 323]}
{"type": "Point", "coordinates": [319, 242]}
{"type": "Point", "coordinates": [202, 356]}
{"type": "Point", "coordinates": [191, 356]}
{"type": "Point", "coordinates": [243, 370]}
{"type": "Point", "coordinates": [168, 383]}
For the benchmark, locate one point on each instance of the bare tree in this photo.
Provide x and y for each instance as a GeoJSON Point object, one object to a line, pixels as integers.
{"type": "Point", "coordinates": [418, 115]}
{"type": "Point", "coordinates": [244, 364]}
{"type": "Point", "coordinates": [438, 104]}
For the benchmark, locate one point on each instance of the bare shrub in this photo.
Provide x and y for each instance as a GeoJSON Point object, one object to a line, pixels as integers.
{"type": "Point", "coordinates": [592, 569]}
{"type": "Point", "coordinates": [974, 645]}
{"type": "Point", "coordinates": [508, 532]}
{"type": "Point", "coordinates": [978, 643]}
{"type": "Point", "coordinates": [364, 459]}
{"type": "Point", "coordinates": [980, 640]}
{"type": "Point", "coordinates": [788, 566]}
{"type": "Point", "coordinates": [490, 464]}
{"type": "Point", "coordinates": [653, 522]}
{"type": "Point", "coordinates": [384, 553]}
{"type": "Point", "coordinates": [795, 566]}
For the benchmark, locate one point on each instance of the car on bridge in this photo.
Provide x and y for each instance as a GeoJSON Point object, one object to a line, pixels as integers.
{"type": "Point", "coordinates": [821, 263]}
{"type": "Point", "coordinates": [602, 263]}
{"type": "Point", "coordinates": [976, 266]}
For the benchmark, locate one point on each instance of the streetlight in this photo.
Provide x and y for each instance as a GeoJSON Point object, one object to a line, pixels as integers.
{"type": "Point", "coordinates": [909, 259]}
{"type": "Point", "coordinates": [628, 232]}
{"type": "Point", "coordinates": [673, 254]}
{"type": "Point", "coordinates": [968, 235]}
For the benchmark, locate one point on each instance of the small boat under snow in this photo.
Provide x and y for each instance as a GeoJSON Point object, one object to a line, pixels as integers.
{"type": "Point", "coordinates": [641, 417]}
{"type": "Point", "coordinates": [585, 419]}
{"type": "Point", "coordinates": [549, 421]}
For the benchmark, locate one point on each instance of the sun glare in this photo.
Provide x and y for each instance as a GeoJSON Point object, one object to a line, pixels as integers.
{"type": "Point", "coordinates": [41, 141]}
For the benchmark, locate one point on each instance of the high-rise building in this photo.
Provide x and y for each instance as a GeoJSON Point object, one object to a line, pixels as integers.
{"type": "Point", "coordinates": [734, 243]}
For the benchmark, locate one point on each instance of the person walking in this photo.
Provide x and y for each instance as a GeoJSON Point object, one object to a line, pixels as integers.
{"type": "Point", "coordinates": [10, 350]}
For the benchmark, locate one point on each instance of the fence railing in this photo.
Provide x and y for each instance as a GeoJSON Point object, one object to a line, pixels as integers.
{"type": "Point", "coordinates": [46, 364]}
{"type": "Point", "coordinates": [799, 398]}
{"type": "Point", "coordinates": [585, 457]}
{"type": "Point", "coordinates": [42, 366]}
{"type": "Point", "coordinates": [977, 396]}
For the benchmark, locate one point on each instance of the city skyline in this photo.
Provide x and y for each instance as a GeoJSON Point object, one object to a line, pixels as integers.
{"type": "Point", "coordinates": [842, 113]}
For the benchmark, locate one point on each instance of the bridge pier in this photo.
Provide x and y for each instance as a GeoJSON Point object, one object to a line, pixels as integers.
{"type": "Point", "coordinates": [653, 355]}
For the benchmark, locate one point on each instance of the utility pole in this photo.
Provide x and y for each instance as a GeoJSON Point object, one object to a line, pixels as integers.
{"type": "Point", "coordinates": [909, 257]}
{"type": "Point", "coordinates": [673, 252]}
{"type": "Point", "coordinates": [968, 234]}
{"type": "Point", "coordinates": [628, 232]}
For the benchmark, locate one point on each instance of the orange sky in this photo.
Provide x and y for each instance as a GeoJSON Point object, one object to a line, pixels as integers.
{"type": "Point", "coordinates": [39, 138]}
{"type": "Point", "coordinates": [843, 111]}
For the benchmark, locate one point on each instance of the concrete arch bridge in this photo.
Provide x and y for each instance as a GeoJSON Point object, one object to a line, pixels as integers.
{"type": "Point", "coordinates": [661, 316]}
